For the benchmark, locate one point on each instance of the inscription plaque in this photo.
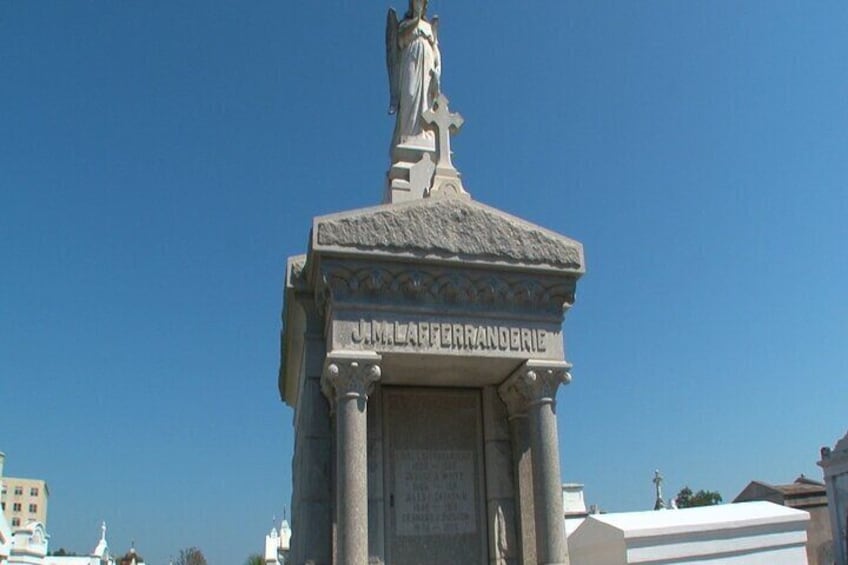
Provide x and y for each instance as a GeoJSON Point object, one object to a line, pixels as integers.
{"type": "Point", "coordinates": [435, 335]}
{"type": "Point", "coordinates": [434, 498]}
{"type": "Point", "coordinates": [434, 492]}
{"type": "Point", "coordinates": [484, 337]}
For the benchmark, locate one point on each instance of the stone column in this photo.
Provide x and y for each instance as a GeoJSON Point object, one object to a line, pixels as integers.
{"type": "Point", "coordinates": [347, 380]}
{"type": "Point", "coordinates": [532, 390]}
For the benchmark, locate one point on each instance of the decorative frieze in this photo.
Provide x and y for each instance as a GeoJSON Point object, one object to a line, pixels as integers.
{"type": "Point", "coordinates": [410, 286]}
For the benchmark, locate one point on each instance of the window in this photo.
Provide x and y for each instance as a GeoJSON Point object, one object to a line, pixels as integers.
{"type": "Point", "coordinates": [33, 491]}
{"type": "Point", "coordinates": [2, 506]}
{"type": "Point", "coordinates": [16, 507]}
{"type": "Point", "coordinates": [33, 508]}
{"type": "Point", "coordinates": [19, 491]}
{"type": "Point", "coordinates": [16, 522]}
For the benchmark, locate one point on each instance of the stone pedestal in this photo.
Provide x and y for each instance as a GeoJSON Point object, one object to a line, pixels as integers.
{"type": "Point", "coordinates": [411, 172]}
{"type": "Point", "coordinates": [434, 329]}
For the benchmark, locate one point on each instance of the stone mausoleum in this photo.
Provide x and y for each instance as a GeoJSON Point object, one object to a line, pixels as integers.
{"type": "Point", "coordinates": [422, 353]}
{"type": "Point", "coordinates": [834, 464]}
{"type": "Point", "coordinates": [422, 350]}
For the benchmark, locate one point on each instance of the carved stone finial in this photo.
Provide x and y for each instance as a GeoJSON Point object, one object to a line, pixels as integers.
{"type": "Point", "coordinates": [535, 382]}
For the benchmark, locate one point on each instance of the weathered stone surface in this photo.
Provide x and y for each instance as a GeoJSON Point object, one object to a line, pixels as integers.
{"type": "Point", "coordinates": [456, 229]}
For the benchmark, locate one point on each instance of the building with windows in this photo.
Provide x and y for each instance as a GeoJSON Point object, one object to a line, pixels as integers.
{"type": "Point", "coordinates": [5, 530]}
{"type": "Point", "coordinates": [23, 534]}
{"type": "Point", "coordinates": [5, 536]}
{"type": "Point", "coordinates": [24, 501]}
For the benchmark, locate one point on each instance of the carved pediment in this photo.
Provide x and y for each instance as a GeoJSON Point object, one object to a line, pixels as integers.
{"type": "Point", "coordinates": [450, 229]}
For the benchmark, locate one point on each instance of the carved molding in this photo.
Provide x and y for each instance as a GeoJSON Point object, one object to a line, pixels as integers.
{"type": "Point", "coordinates": [416, 286]}
{"type": "Point", "coordinates": [350, 374]}
{"type": "Point", "coordinates": [534, 383]}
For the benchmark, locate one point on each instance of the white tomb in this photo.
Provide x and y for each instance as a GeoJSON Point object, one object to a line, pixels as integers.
{"type": "Point", "coordinates": [749, 533]}
{"type": "Point", "coordinates": [29, 545]}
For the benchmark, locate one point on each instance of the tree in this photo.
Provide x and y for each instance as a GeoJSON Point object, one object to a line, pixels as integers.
{"type": "Point", "coordinates": [687, 499]}
{"type": "Point", "coordinates": [255, 559]}
{"type": "Point", "coordinates": [190, 556]}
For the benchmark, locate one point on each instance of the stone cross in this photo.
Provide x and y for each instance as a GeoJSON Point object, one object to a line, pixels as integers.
{"type": "Point", "coordinates": [445, 124]}
{"type": "Point", "coordinates": [658, 481]}
{"type": "Point", "coordinates": [446, 181]}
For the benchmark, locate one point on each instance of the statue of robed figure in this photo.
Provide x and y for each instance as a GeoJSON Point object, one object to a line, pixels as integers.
{"type": "Point", "coordinates": [414, 64]}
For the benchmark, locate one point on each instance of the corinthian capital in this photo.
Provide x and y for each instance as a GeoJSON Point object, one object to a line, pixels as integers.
{"type": "Point", "coordinates": [535, 382]}
{"type": "Point", "coordinates": [350, 374]}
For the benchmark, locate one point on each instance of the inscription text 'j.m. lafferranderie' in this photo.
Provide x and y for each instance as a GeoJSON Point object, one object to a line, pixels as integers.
{"type": "Point", "coordinates": [450, 336]}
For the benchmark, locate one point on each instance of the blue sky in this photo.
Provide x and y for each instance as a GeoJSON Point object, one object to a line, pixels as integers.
{"type": "Point", "coordinates": [159, 161]}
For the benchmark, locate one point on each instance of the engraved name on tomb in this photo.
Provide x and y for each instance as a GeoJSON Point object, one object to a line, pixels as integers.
{"type": "Point", "coordinates": [446, 335]}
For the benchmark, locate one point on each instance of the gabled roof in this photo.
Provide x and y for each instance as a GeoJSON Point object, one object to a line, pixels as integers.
{"type": "Point", "coordinates": [801, 487]}
{"type": "Point", "coordinates": [446, 229]}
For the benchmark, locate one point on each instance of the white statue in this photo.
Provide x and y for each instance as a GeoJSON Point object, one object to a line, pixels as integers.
{"type": "Point", "coordinates": [414, 63]}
